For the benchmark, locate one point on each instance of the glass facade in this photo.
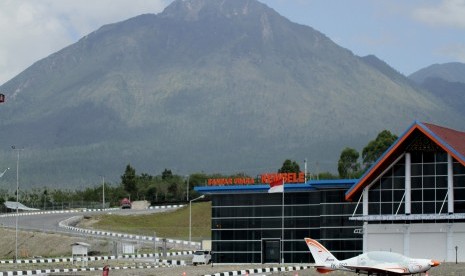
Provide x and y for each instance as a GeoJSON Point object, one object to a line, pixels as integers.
{"type": "Point", "coordinates": [429, 182]}
{"type": "Point", "coordinates": [386, 196]}
{"type": "Point", "coordinates": [459, 188]}
{"type": "Point", "coordinates": [247, 228]}
{"type": "Point", "coordinates": [428, 186]}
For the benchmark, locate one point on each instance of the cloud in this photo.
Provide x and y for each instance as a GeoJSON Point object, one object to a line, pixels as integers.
{"type": "Point", "coordinates": [32, 30]}
{"type": "Point", "coordinates": [449, 13]}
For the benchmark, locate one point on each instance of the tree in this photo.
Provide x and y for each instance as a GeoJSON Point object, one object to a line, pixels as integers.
{"type": "Point", "coordinates": [152, 194]}
{"type": "Point", "coordinates": [377, 147]}
{"type": "Point", "coordinates": [348, 166]}
{"type": "Point", "coordinates": [326, 175]}
{"type": "Point", "coordinates": [289, 167]}
{"type": "Point", "coordinates": [173, 190]}
{"type": "Point", "coordinates": [196, 179]}
{"type": "Point", "coordinates": [128, 180]}
{"type": "Point", "coordinates": [166, 174]}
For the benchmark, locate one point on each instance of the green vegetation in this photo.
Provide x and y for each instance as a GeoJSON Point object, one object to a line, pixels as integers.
{"type": "Point", "coordinates": [170, 224]}
{"type": "Point", "coordinates": [377, 147]}
{"type": "Point", "coordinates": [171, 188]}
{"type": "Point", "coordinates": [234, 99]}
{"type": "Point", "coordinates": [289, 167]}
{"type": "Point", "coordinates": [348, 165]}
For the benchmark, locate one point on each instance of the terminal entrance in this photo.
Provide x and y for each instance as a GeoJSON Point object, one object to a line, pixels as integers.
{"type": "Point", "coordinates": [270, 251]}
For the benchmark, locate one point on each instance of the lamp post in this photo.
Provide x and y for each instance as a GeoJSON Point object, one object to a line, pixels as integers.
{"type": "Point", "coordinates": [305, 166]}
{"type": "Point", "coordinates": [187, 197]}
{"type": "Point", "coordinates": [190, 215]}
{"type": "Point", "coordinates": [103, 192]}
{"type": "Point", "coordinates": [17, 200]}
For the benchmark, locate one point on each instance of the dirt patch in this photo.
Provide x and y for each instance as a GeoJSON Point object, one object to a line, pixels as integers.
{"type": "Point", "coordinates": [32, 244]}
{"type": "Point", "coordinates": [87, 222]}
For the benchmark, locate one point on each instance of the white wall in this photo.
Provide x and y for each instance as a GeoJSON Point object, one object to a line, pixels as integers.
{"type": "Point", "coordinates": [384, 238]}
{"type": "Point", "coordinates": [423, 240]}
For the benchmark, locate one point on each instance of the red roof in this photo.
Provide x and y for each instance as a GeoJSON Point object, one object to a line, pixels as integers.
{"type": "Point", "coordinates": [451, 141]}
{"type": "Point", "coordinates": [456, 139]}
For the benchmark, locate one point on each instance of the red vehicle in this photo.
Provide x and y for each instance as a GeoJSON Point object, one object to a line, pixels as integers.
{"type": "Point", "coordinates": [125, 203]}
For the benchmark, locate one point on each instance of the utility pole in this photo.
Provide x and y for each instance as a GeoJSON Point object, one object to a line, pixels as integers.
{"type": "Point", "coordinates": [103, 192]}
{"type": "Point", "coordinates": [305, 174]}
{"type": "Point", "coordinates": [17, 200]}
{"type": "Point", "coordinates": [187, 197]}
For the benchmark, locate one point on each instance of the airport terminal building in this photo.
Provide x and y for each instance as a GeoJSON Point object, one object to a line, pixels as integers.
{"type": "Point", "coordinates": [413, 198]}
{"type": "Point", "coordinates": [411, 201]}
{"type": "Point", "coordinates": [248, 222]}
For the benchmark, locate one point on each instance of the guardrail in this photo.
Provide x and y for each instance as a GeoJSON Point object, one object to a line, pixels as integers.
{"type": "Point", "coordinates": [103, 258]}
{"type": "Point", "coordinates": [57, 212]}
{"type": "Point", "coordinates": [72, 220]}
{"type": "Point", "coordinates": [261, 270]}
{"type": "Point", "coordinates": [13, 214]}
{"type": "Point", "coordinates": [65, 224]}
{"type": "Point", "coordinates": [71, 270]}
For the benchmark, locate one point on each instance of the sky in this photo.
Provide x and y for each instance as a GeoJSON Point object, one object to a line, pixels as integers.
{"type": "Point", "coordinates": [408, 35]}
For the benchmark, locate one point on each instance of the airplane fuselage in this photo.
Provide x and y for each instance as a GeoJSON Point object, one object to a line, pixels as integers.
{"type": "Point", "coordinates": [371, 263]}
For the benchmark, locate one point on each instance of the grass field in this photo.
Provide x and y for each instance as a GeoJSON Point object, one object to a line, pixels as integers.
{"type": "Point", "coordinates": [173, 224]}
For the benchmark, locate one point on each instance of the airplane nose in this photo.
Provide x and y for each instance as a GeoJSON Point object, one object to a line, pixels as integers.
{"type": "Point", "coordinates": [434, 263]}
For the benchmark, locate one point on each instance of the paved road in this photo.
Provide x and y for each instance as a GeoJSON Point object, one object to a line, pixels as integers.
{"type": "Point", "coordinates": [48, 222]}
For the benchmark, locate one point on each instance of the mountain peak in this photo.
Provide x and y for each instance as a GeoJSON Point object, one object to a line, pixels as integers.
{"type": "Point", "coordinates": [221, 85]}
{"type": "Point", "coordinates": [194, 10]}
{"type": "Point", "coordinates": [452, 72]}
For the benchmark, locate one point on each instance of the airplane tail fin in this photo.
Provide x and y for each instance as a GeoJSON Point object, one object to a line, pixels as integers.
{"type": "Point", "coordinates": [321, 255]}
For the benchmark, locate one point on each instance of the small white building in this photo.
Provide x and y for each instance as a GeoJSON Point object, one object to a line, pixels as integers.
{"type": "Point", "coordinates": [79, 252]}
{"type": "Point", "coordinates": [128, 248]}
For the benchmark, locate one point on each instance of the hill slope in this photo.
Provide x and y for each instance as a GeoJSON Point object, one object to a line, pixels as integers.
{"type": "Point", "coordinates": [446, 82]}
{"type": "Point", "coordinates": [452, 72]}
{"type": "Point", "coordinates": [215, 86]}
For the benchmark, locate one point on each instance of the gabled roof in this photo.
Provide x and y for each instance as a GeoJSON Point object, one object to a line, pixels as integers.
{"type": "Point", "coordinates": [451, 141]}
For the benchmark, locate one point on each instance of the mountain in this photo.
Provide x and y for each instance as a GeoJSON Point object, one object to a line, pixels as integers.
{"type": "Point", "coordinates": [452, 72]}
{"type": "Point", "coordinates": [387, 70]}
{"type": "Point", "coordinates": [215, 86]}
{"type": "Point", "coordinates": [446, 82]}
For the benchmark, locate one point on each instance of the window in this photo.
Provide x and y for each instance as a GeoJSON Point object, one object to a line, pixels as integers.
{"type": "Point", "coordinates": [428, 185]}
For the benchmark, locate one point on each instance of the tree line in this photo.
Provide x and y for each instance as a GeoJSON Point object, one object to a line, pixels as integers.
{"type": "Point", "coordinates": [170, 188]}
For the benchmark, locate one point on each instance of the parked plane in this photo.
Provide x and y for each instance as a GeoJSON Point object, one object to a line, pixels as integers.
{"type": "Point", "coordinates": [371, 263]}
{"type": "Point", "coordinates": [1, 174]}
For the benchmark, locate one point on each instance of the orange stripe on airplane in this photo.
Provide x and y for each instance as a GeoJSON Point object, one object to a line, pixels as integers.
{"type": "Point", "coordinates": [316, 244]}
{"type": "Point", "coordinates": [324, 270]}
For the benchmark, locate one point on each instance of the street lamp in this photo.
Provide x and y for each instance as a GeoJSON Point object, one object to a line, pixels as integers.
{"type": "Point", "coordinates": [17, 200]}
{"type": "Point", "coordinates": [187, 197]}
{"type": "Point", "coordinates": [190, 215]}
{"type": "Point", "coordinates": [103, 192]}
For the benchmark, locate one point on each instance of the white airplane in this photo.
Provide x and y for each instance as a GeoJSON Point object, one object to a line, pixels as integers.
{"type": "Point", "coordinates": [1, 174]}
{"type": "Point", "coordinates": [370, 263]}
